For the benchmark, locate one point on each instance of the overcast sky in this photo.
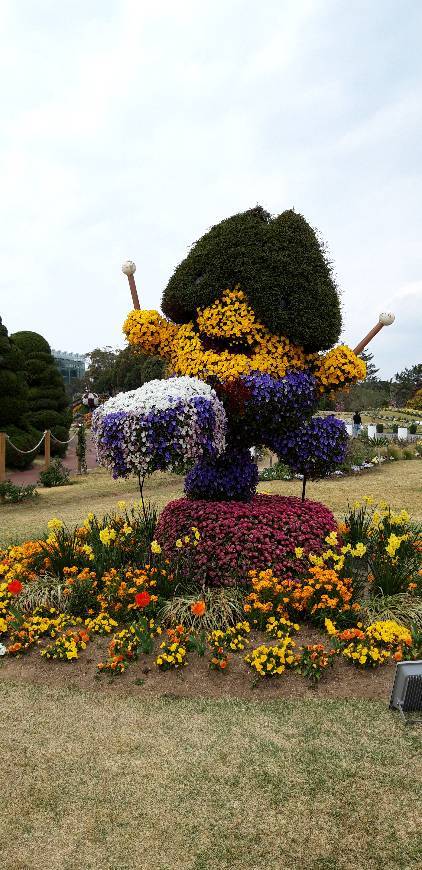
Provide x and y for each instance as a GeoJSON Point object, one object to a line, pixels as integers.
{"type": "Point", "coordinates": [129, 127]}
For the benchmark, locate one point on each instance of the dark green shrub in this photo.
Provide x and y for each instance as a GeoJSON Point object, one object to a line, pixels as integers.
{"type": "Point", "coordinates": [14, 401]}
{"type": "Point", "coordinates": [279, 263]}
{"type": "Point", "coordinates": [413, 429]}
{"type": "Point", "coordinates": [11, 492]}
{"type": "Point", "coordinates": [56, 475]}
{"type": "Point", "coordinates": [395, 428]}
{"type": "Point", "coordinates": [380, 427]}
{"type": "Point", "coordinates": [48, 405]}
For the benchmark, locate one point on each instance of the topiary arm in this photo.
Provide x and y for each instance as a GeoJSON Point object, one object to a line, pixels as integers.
{"type": "Point", "coordinates": [150, 333]}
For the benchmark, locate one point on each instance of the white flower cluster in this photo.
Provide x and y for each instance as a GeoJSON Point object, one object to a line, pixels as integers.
{"type": "Point", "coordinates": [160, 425]}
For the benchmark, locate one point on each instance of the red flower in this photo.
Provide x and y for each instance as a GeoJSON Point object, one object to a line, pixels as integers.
{"type": "Point", "coordinates": [142, 599]}
{"type": "Point", "coordinates": [14, 587]}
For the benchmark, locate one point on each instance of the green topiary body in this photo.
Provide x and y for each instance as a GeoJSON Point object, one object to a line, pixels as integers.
{"type": "Point", "coordinates": [278, 262]}
{"type": "Point", "coordinates": [48, 405]}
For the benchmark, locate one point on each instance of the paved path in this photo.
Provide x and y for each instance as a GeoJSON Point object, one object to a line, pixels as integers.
{"type": "Point", "coordinates": [31, 475]}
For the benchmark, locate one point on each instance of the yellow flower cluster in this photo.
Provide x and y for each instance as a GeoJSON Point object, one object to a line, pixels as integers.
{"type": "Point", "coordinates": [339, 367]}
{"type": "Point", "coordinates": [66, 647]}
{"type": "Point", "coordinates": [101, 624]}
{"type": "Point", "coordinates": [231, 318]}
{"type": "Point", "coordinates": [365, 655]}
{"type": "Point", "coordinates": [280, 627]}
{"type": "Point", "coordinates": [107, 536]}
{"type": "Point", "coordinates": [16, 562]}
{"type": "Point", "coordinates": [242, 345]}
{"type": "Point", "coordinates": [234, 638]}
{"type": "Point", "coordinates": [271, 354]}
{"type": "Point", "coordinates": [389, 632]}
{"type": "Point", "coordinates": [393, 544]}
{"type": "Point", "coordinates": [372, 646]}
{"type": "Point", "coordinates": [150, 333]}
{"type": "Point", "coordinates": [173, 655]}
{"type": "Point", "coordinates": [271, 661]}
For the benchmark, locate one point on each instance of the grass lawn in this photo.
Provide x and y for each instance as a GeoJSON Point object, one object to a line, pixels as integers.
{"type": "Point", "coordinates": [91, 781]}
{"type": "Point", "coordinates": [400, 483]}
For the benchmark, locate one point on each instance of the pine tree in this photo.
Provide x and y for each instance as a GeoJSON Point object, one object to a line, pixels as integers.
{"type": "Point", "coordinates": [48, 405]}
{"type": "Point", "coordinates": [371, 369]}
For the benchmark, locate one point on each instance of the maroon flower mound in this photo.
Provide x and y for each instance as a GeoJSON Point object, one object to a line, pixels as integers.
{"type": "Point", "coordinates": [237, 537]}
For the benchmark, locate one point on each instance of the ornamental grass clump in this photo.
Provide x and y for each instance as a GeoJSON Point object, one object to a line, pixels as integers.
{"type": "Point", "coordinates": [220, 608]}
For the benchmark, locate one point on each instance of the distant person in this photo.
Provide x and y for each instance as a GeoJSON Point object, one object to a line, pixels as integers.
{"type": "Point", "coordinates": [91, 401]}
{"type": "Point", "coordinates": [357, 423]}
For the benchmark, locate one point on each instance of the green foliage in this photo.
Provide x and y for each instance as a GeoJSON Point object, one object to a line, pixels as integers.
{"type": "Point", "coordinates": [279, 263]}
{"type": "Point", "coordinates": [14, 401]}
{"type": "Point", "coordinates": [278, 471]}
{"type": "Point", "coordinates": [371, 369]}
{"type": "Point", "coordinates": [55, 475]}
{"type": "Point", "coordinates": [380, 427]}
{"type": "Point", "coordinates": [113, 371]}
{"type": "Point", "coordinates": [48, 405]}
{"type": "Point", "coordinates": [11, 492]}
{"type": "Point", "coordinates": [406, 384]}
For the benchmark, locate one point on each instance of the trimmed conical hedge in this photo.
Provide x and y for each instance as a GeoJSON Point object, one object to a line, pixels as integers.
{"type": "Point", "coordinates": [14, 401]}
{"type": "Point", "coordinates": [48, 405]}
{"type": "Point", "coordinates": [279, 263]}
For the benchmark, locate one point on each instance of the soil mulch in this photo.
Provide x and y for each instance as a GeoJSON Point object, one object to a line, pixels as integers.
{"type": "Point", "coordinates": [196, 680]}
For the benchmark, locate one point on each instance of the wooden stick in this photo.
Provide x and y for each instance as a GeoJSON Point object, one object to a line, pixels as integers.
{"type": "Point", "coordinates": [362, 344]}
{"type": "Point", "coordinates": [134, 292]}
{"type": "Point", "coordinates": [47, 450]}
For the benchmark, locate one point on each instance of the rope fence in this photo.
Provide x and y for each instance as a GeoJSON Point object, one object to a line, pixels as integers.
{"type": "Point", "coordinates": [47, 437]}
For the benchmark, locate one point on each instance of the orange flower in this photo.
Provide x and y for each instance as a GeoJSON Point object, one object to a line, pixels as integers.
{"type": "Point", "coordinates": [198, 608]}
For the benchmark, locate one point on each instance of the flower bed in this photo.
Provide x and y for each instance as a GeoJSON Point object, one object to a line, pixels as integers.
{"type": "Point", "coordinates": [111, 588]}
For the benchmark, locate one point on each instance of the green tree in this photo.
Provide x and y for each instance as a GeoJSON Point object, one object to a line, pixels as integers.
{"type": "Point", "coordinates": [371, 369]}
{"type": "Point", "coordinates": [280, 264]}
{"type": "Point", "coordinates": [131, 370]}
{"type": "Point", "coordinates": [48, 405]}
{"type": "Point", "coordinates": [114, 371]}
{"type": "Point", "coordinates": [406, 384]}
{"type": "Point", "coordinates": [14, 401]}
{"type": "Point", "coordinates": [99, 374]}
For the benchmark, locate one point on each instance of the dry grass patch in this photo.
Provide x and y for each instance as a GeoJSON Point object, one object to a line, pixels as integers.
{"type": "Point", "coordinates": [116, 784]}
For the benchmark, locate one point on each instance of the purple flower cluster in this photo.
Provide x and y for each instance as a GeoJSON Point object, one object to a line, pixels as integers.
{"type": "Point", "coordinates": [315, 449]}
{"type": "Point", "coordinates": [231, 477]}
{"type": "Point", "coordinates": [260, 407]}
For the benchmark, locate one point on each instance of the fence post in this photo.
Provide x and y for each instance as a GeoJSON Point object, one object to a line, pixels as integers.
{"type": "Point", "coordinates": [2, 457]}
{"type": "Point", "coordinates": [47, 449]}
